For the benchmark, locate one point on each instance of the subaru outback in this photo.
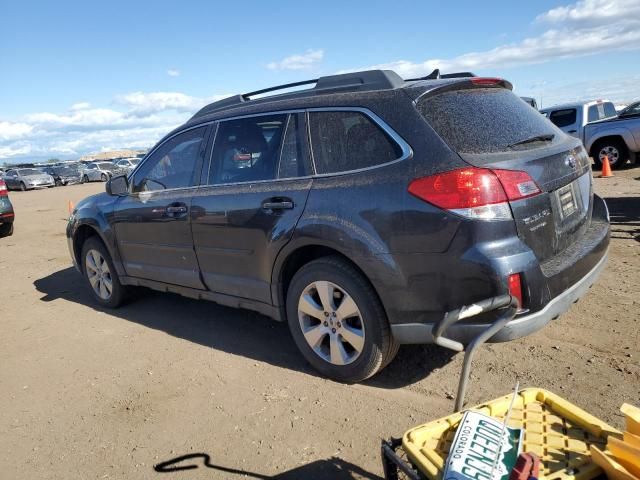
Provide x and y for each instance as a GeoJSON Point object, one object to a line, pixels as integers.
{"type": "Point", "coordinates": [359, 210]}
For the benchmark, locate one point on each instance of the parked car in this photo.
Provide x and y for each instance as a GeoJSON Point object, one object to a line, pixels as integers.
{"type": "Point", "coordinates": [63, 175]}
{"type": "Point", "coordinates": [372, 207]}
{"type": "Point", "coordinates": [27, 179]}
{"type": "Point", "coordinates": [6, 212]}
{"type": "Point", "coordinates": [100, 171]}
{"type": "Point", "coordinates": [572, 117]}
{"type": "Point", "coordinates": [127, 164]}
{"type": "Point", "coordinates": [618, 138]}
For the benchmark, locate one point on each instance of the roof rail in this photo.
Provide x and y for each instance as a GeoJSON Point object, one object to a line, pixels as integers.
{"type": "Point", "coordinates": [436, 75]}
{"type": "Point", "coordinates": [366, 80]}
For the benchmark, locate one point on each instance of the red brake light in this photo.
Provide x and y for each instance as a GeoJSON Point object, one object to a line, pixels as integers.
{"type": "Point", "coordinates": [515, 288]}
{"type": "Point", "coordinates": [486, 81]}
{"type": "Point", "coordinates": [464, 188]}
{"type": "Point", "coordinates": [3, 189]}
{"type": "Point", "coordinates": [478, 193]}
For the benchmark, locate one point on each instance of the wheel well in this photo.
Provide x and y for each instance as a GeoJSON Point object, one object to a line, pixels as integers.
{"type": "Point", "coordinates": [83, 233]}
{"type": "Point", "coordinates": [300, 257]}
{"type": "Point", "coordinates": [600, 141]}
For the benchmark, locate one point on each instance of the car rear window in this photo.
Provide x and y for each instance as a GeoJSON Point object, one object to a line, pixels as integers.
{"type": "Point", "coordinates": [601, 111]}
{"type": "Point", "coordinates": [484, 120]}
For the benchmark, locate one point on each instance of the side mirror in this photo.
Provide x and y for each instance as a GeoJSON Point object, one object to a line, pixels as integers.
{"type": "Point", "coordinates": [117, 185]}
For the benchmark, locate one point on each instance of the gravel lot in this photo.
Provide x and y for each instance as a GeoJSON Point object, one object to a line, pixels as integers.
{"type": "Point", "coordinates": [88, 393]}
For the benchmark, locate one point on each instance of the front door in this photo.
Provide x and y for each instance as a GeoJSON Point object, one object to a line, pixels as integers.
{"type": "Point", "coordinates": [152, 224]}
{"type": "Point", "coordinates": [258, 183]}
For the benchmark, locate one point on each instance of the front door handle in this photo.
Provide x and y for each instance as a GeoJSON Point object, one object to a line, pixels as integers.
{"type": "Point", "coordinates": [173, 210]}
{"type": "Point", "coordinates": [572, 131]}
{"type": "Point", "coordinates": [279, 204]}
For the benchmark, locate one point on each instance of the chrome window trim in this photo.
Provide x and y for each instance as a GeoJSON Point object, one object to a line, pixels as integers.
{"type": "Point", "coordinates": [406, 149]}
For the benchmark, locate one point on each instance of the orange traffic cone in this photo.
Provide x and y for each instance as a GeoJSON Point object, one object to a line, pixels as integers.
{"type": "Point", "coordinates": [70, 206]}
{"type": "Point", "coordinates": [606, 168]}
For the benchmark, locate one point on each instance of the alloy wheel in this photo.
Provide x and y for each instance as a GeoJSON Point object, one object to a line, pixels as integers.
{"type": "Point", "coordinates": [98, 274]}
{"type": "Point", "coordinates": [611, 152]}
{"type": "Point", "coordinates": [331, 323]}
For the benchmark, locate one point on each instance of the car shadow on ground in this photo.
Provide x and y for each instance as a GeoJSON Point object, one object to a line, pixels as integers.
{"type": "Point", "coordinates": [331, 469]}
{"type": "Point", "coordinates": [624, 213]}
{"type": "Point", "coordinates": [239, 332]}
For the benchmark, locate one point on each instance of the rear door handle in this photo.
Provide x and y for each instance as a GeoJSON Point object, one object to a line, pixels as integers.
{"type": "Point", "coordinates": [172, 210]}
{"type": "Point", "coordinates": [283, 204]}
{"type": "Point", "coordinates": [572, 131]}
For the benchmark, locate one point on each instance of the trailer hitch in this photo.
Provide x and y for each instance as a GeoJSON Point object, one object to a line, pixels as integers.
{"type": "Point", "coordinates": [507, 302]}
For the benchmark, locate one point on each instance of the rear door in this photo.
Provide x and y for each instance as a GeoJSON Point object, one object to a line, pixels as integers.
{"type": "Point", "coordinates": [492, 128]}
{"type": "Point", "coordinates": [152, 223]}
{"type": "Point", "coordinates": [257, 186]}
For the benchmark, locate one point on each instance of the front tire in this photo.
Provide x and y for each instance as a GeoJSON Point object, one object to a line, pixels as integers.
{"type": "Point", "coordinates": [85, 179]}
{"type": "Point", "coordinates": [23, 187]}
{"type": "Point", "coordinates": [100, 274]}
{"type": "Point", "coordinates": [104, 177]}
{"type": "Point", "coordinates": [338, 322]}
{"type": "Point", "coordinates": [614, 149]}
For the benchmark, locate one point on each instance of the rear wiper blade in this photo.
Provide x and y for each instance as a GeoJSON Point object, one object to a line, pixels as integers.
{"type": "Point", "coordinates": [538, 138]}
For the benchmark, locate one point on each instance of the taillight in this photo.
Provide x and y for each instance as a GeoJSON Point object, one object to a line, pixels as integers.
{"type": "Point", "coordinates": [3, 188]}
{"type": "Point", "coordinates": [476, 193]}
{"type": "Point", "coordinates": [515, 288]}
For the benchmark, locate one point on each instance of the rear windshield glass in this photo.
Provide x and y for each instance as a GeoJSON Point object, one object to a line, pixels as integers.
{"type": "Point", "coordinates": [484, 120]}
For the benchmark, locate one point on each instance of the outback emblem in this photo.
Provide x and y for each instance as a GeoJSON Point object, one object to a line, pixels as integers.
{"type": "Point", "coordinates": [570, 161]}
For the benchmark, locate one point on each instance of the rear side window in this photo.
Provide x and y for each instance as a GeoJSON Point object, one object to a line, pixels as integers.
{"type": "Point", "coordinates": [344, 141]}
{"type": "Point", "coordinates": [292, 158]}
{"type": "Point", "coordinates": [563, 118]}
{"type": "Point", "coordinates": [483, 120]}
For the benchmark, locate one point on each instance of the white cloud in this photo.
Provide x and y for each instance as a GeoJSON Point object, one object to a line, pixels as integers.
{"type": "Point", "coordinates": [142, 104]}
{"type": "Point", "coordinates": [304, 61]}
{"type": "Point", "coordinates": [583, 28]}
{"type": "Point", "coordinates": [173, 72]}
{"type": "Point", "coordinates": [14, 130]}
{"type": "Point", "coordinates": [80, 106]}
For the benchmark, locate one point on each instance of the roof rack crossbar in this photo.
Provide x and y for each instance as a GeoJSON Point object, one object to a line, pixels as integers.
{"type": "Point", "coordinates": [247, 96]}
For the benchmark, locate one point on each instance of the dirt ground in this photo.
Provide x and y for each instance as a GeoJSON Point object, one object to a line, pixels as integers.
{"type": "Point", "coordinates": [87, 393]}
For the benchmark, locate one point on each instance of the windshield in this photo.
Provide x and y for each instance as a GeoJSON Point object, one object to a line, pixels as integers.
{"type": "Point", "coordinates": [633, 109]}
{"type": "Point", "coordinates": [29, 171]}
{"type": "Point", "coordinates": [484, 120]}
{"type": "Point", "coordinates": [106, 166]}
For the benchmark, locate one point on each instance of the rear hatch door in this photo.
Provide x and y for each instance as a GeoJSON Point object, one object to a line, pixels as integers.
{"type": "Point", "coordinates": [492, 128]}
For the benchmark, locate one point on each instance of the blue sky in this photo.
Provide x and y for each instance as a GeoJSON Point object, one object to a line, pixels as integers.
{"type": "Point", "coordinates": [77, 77]}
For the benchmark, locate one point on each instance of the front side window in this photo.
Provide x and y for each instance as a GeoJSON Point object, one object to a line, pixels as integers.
{"type": "Point", "coordinates": [563, 118]}
{"type": "Point", "coordinates": [349, 140]}
{"type": "Point", "coordinates": [247, 149]}
{"type": "Point", "coordinates": [173, 164]}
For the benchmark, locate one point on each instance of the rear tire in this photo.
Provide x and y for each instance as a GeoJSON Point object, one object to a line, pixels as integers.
{"type": "Point", "coordinates": [85, 179]}
{"type": "Point", "coordinates": [100, 274]}
{"type": "Point", "coordinates": [347, 335]}
{"type": "Point", "coordinates": [615, 149]}
{"type": "Point", "coordinates": [6, 229]}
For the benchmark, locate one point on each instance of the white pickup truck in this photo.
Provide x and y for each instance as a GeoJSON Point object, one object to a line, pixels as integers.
{"type": "Point", "coordinates": [602, 130]}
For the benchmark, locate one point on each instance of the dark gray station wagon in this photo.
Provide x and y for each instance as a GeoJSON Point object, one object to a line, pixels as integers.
{"type": "Point", "coordinates": [359, 210]}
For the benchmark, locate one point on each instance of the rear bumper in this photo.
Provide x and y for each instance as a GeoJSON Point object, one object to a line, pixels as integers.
{"type": "Point", "coordinates": [521, 326]}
